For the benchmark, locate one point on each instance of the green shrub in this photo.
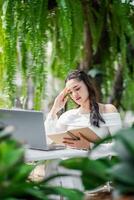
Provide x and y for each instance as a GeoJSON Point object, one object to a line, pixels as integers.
{"type": "Point", "coordinates": [14, 175]}
{"type": "Point", "coordinates": [118, 169]}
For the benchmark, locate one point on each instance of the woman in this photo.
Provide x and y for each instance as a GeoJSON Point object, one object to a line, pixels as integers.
{"type": "Point", "coordinates": [103, 119]}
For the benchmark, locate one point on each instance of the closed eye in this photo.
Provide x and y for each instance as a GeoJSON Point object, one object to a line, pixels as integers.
{"type": "Point", "coordinates": [77, 89]}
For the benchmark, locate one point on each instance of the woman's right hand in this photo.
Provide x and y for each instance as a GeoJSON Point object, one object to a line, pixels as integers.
{"type": "Point", "coordinates": [59, 102]}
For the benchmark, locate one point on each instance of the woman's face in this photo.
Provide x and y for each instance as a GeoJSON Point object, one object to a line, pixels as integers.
{"type": "Point", "coordinates": [77, 91]}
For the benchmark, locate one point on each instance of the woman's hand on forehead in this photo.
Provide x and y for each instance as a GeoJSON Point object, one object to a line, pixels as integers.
{"type": "Point", "coordinates": [64, 92]}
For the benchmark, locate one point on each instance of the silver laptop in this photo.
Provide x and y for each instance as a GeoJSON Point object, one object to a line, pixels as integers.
{"type": "Point", "coordinates": [28, 128]}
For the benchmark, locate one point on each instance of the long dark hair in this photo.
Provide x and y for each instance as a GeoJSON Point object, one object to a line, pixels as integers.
{"type": "Point", "coordinates": [95, 116]}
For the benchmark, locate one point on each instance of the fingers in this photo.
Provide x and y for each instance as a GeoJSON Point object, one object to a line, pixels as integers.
{"type": "Point", "coordinates": [64, 92]}
{"type": "Point", "coordinates": [68, 140]}
{"type": "Point", "coordinates": [83, 137]}
{"type": "Point", "coordinates": [61, 99]}
{"type": "Point", "coordinates": [62, 96]}
{"type": "Point", "coordinates": [65, 99]}
{"type": "Point", "coordinates": [68, 143]}
{"type": "Point", "coordinates": [80, 144]}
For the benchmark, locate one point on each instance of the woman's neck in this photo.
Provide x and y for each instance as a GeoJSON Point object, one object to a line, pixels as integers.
{"type": "Point", "coordinates": [85, 108]}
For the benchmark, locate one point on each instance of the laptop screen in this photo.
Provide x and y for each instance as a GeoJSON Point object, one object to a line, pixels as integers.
{"type": "Point", "coordinates": [28, 126]}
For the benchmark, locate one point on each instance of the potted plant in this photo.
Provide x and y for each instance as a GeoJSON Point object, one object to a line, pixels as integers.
{"type": "Point", "coordinates": [118, 170]}
{"type": "Point", "coordinates": [14, 175]}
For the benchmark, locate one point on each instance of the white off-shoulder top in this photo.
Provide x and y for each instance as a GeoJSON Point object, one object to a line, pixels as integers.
{"type": "Point", "coordinates": [75, 119]}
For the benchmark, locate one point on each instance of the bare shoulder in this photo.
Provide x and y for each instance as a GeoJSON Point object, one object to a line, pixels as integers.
{"type": "Point", "coordinates": [107, 108]}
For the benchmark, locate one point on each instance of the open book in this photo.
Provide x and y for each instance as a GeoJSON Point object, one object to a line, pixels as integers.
{"type": "Point", "coordinates": [86, 132]}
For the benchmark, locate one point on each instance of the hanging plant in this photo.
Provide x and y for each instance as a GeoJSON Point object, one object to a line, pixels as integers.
{"type": "Point", "coordinates": [68, 39]}
{"type": "Point", "coordinates": [41, 36]}
{"type": "Point", "coordinates": [24, 25]}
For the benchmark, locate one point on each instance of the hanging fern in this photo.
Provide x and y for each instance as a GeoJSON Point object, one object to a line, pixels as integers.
{"type": "Point", "coordinates": [28, 28]}
{"type": "Point", "coordinates": [96, 19]}
{"type": "Point", "coordinates": [25, 25]}
{"type": "Point", "coordinates": [64, 33]}
{"type": "Point", "coordinates": [1, 53]}
{"type": "Point", "coordinates": [10, 45]}
{"type": "Point", "coordinates": [77, 39]}
{"type": "Point", "coordinates": [69, 36]}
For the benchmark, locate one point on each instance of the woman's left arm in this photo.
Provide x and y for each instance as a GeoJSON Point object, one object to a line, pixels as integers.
{"type": "Point", "coordinates": [114, 123]}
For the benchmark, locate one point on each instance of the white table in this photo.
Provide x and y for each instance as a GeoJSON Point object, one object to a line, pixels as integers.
{"type": "Point", "coordinates": [72, 181]}
{"type": "Point", "coordinates": [38, 155]}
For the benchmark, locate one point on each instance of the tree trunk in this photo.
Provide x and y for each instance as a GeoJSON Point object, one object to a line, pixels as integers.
{"type": "Point", "coordinates": [116, 93]}
{"type": "Point", "coordinates": [87, 61]}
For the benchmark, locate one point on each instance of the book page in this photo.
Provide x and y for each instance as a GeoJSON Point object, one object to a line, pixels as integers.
{"type": "Point", "coordinates": [87, 133]}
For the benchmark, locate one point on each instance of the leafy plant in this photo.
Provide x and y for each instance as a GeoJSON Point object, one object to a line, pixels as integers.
{"type": "Point", "coordinates": [95, 173]}
{"type": "Point", "coordinates": [14, 175]}
{"type": "Point", "coordinates": [122, 174]}
{"type": "Point", "coordinates": [23, 25]}
{"type": "Point", "coordinates": [56, 36]}
{"type": "Point", "coordinates": [118, 169]}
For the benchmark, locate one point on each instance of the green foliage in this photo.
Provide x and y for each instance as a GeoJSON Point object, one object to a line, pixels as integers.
{"type": "Point", "coordinates": [118, 169]}
{"type": "Point", "coordinates": [94, 172]}
{"type": "Point", "coordinates": [122, 174]}
{"type": "Point", "coordinates": [14, 175]}
{"type": "Point", "coordinates": [68, 36]}
{"type": "Point", "coordinates": [111, 29]}
{"type": "Point", "coordinates": [24, 24]}
{"type": "Point", "coordinates": [1, 53]}
{"type": "Point", "coordinates": [10, 39]}
{"type": "Point", "coordinates": [37, 37]}
{"type": "Point", "coordinates": [128, 94]}
{"type": "Point", "coordinates": [27, 28]}
{"type": "Point", "coordinates": [111, 36]}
